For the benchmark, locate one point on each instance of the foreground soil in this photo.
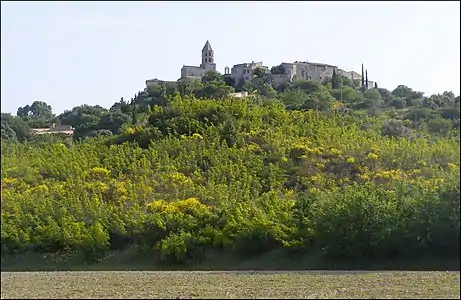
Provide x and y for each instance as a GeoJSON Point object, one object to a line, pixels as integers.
{"type": "Point", "coordinates": [238, 284]}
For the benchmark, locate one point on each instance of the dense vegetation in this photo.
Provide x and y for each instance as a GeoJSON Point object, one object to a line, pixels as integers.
{"type": "Point", "coordinates": [183, 169]}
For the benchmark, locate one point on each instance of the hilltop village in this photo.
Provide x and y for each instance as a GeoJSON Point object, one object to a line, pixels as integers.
{"type": "Point", "coordinates": [285, 72]}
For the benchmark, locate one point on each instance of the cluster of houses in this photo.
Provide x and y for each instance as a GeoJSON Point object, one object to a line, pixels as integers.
{"type": "Point", "coordinates": [243, 72]}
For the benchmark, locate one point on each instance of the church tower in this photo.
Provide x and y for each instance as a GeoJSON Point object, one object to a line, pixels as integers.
{"type": "Point", "coordinates": [208, 58]}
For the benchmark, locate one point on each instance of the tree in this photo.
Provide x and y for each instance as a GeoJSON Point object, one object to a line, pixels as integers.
{"type": "Point", "coordinates": [212, 76]}
{"type": "Point", "coordinates": [452, 113]}
{"type": "Point", "coordinates": [398, 102]}
{"type": "Point", "coordinates": [134, 112]}
{"type": "Point", "coordinates": [439, 126]}
{"type": "Point", "coordinates": [402, 91]}
{"type": "Point", "coordinates": [419, 114]}
{"type": "Point", "coordinates": [348, 95]}
{"type": "Point", "coordinates": [17, 124]}
{"type": "Point", "coordinates": [394, 128]}
{"type": "Point", "coordinates": [372, 96]}
{"type": "Point", "coordinates": [7, 133]}
{"type": "Point", "coordinates": [266, 90]}
{"type": "Point", "coordinates": [294, 98]}
{"type": "Point", "coordinates": [446, 99]}
{"type": "Point", "coordinates": [122, 106]}
{"type": "Point", "coordinates": [84, 117]}
{"type": "Point", "coordinates": [307, 86]}
{"type": "Point", "coordinates": [366, 78]}
{"type": "Point", "coordinates": [320, 100]}
{"type": "Point", "coordinates": [335, 80]}
{"type": "Point", "coordinates": [280, 69]}
{"type": "Point", "coordinates": [214, 90]}
{"type": "Point", "coordinates": [113, 122]}
{"type": "Point", "coordinates": [363, 77]}
{"type": "Point", "coordinates": [41, 109]}
{"type": "Point", "coordinates": [345, 81]}
{"type": "Point", "coordinates": [187, 86]}
{"type": "Point", "coordinates": [229, 80]}
{"type": "Point", "coordinates": [376, 85]}
{"type": "Point", "coordinates": [23, 111]}
{"type": "Point", "coordinates": [259, 72]}
{"type": "Point", "coordinates": [386, 95]}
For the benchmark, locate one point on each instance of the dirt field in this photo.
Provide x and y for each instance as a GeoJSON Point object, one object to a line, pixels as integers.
{"type": "Point", "coordinates": [313, 284]}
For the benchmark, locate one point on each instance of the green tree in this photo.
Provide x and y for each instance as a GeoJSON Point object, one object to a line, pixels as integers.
{"type": "Point", "coordinates": [84, 114]}
{"type": "Point", "coordinates": [348, 95]}
{"type": "Point", "coordinates": [319, 100]}
{"type": "Point", "coordinates": [23, 111]}
{"type": "Point", "coordinates": [372, 98]}
{"type": "Point", "coordinates": [122, 106]}
{"type": "Point", "coordinates": [280, 69]}
{"type": "Point", "coordinates": [7, 133]}
{"type": "Point", "coordinates": [304, 85]}
{"type": "Point", "coordinates": [134, 114]}
{"type": "Point", "coordinates": [402, 91]}
{"type": "Point", "coordinates": [335, 80]}
{"type": "Point", "coordinates": [229, 80]}
{"type": "Point", "coordinates": [259, 72]}
{"type": "Point", "coordinates": [41, 109]}
{"type": "Point", "coordinates": [212, 76]}
{"type": "Point", "coordinates": [18, 125]}
{"type": "Point", "coordinates": [439, 126]}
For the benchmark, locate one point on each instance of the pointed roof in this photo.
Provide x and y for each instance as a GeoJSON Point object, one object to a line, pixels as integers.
{"type": "Point", "coordinates": [207, 47]}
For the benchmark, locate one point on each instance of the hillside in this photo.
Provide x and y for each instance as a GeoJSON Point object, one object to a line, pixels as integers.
{"type": "Point", "coordinates": [183, 172]}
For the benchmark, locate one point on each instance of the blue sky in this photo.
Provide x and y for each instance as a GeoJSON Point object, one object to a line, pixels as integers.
{"type": "Point", "coordinates": [73, 53]}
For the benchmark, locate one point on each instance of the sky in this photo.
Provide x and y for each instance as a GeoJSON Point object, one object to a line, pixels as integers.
{"type": "Point", "coordinates": [73, 53]}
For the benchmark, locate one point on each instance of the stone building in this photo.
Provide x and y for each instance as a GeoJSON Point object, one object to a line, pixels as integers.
{"type": "Point", "coordinates": [244, 72]}
{"type": "Point", "coordinates": [309, 71]}
{"type": "Point", "coordinates": [208, 64]}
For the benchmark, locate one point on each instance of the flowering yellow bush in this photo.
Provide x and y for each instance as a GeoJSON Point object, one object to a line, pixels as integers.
{"type": "Point", "coordinates": [197, 136]}
{"type": "Point", "coordinates": [350, 160]}
{"type": "Point", "coordinates": [372, 156]}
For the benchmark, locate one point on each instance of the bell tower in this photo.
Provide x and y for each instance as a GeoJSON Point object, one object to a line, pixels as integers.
{"type": "Point", "coordinates": [208, 58]}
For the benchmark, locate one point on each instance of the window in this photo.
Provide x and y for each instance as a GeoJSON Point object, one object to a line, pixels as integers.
{"type": "Point", "coordinates": [205, 59]}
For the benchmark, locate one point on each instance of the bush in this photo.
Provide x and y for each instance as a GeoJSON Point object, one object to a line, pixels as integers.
{"type": "Point", "coordinates": [237, 176]}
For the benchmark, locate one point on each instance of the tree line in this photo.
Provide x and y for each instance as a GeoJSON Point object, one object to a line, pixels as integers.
{"type": "Point", "coordinates": [438, 113]}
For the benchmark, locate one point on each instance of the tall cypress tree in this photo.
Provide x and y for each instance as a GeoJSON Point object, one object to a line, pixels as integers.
{"type": "Point", "coordinates": [366, 78]}
{"type": "Point", "coordinates": [376, 85]}
{"type": "Point", "coordinates": [363, 78]}
{"type": "Point", "coordinates": [334, 80]}
{"type": "Point", "coordinates": [134, 112]}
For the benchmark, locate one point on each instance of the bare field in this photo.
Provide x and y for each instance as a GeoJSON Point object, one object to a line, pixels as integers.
{"type": "Point", "coordinates": [238, 284]}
